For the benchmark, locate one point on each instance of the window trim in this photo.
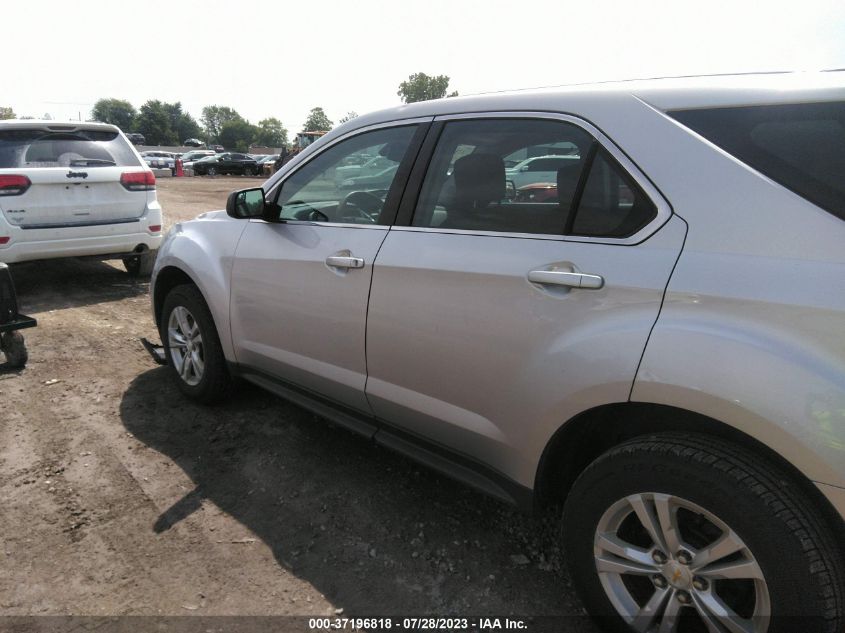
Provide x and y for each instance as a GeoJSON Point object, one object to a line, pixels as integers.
{"type": "Point", "coordinates": [410, 197]}
{"type": "Point", "coordinates": [272, 189]}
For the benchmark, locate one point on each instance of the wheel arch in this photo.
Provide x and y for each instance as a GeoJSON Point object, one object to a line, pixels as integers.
{"type": "Point", "coordinates": [166, 280]}
{"type": "Point", "coordinates": [576, 444]}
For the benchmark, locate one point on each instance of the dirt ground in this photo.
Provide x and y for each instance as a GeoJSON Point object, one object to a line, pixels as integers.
{"type": "Point", "coordinates": [121, 497]}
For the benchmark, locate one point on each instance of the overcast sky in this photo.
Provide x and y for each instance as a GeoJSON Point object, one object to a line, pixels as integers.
{"type": "Point", "coordinates": [280, 59]}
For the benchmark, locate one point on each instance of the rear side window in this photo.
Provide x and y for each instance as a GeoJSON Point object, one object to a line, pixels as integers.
{"type": "Point", "coordinates": [84, 148]}
{"type": "Point", "coordinates": [800, 146]}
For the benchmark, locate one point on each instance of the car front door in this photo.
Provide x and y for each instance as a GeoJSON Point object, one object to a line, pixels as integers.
{"type": "Point", "coordinates": [493, 321]}
{"type": "Point", "coordinates": [300, 285]}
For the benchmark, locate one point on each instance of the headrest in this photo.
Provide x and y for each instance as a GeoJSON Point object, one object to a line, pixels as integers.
{"type": "Point", "coordinates": [479, 179]}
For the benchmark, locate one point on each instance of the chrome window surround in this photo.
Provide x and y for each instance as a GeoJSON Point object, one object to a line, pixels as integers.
{"type": "Point", "coordinates": [664, 209]}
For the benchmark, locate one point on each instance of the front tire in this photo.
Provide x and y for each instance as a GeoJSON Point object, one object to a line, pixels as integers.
{"type": "Point", "coordinates": [683, 532]}
{"type": "Point", "coordinates": [192, 347]}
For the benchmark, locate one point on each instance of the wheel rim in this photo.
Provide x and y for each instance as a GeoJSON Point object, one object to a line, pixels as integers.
{"type": "Point", "coordinates": [211, 171]}
{"type": "Point", "coordinates": [186, 348]}
{"type": "Point", "coordinates": [661, 558]}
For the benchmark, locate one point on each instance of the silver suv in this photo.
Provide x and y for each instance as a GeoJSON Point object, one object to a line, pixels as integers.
{"type": "Point", "coordinates": [657, 343]}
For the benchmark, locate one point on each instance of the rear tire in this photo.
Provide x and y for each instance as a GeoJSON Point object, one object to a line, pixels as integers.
{"type": "Point", "coordinates": [192, 346]}
{"type": "Point", "coordinates": [786, 561]}
{"type": "Point", "coordinates": [14, 348]}
{"type": "Point", "coordinates": [140, 265]}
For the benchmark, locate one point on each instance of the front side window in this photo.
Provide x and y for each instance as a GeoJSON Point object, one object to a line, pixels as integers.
{"type": "Point", "coordinates": [528, 176]}
{"type": "Point", "coordinates": [349, 182]}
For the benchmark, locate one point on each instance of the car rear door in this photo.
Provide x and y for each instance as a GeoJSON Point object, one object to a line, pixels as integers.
{"type": "Point", "coordinates": [493, 322]}
{"type": "Point", "coordinates": [300, 285]}
{"type": "Point", "coordinates": [74, 174]}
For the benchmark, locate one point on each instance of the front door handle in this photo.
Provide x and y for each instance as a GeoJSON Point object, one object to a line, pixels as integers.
{"type": "Point", "coordinates": [339, 261]}
{"type": "Point", "coordinates": [566, 278]}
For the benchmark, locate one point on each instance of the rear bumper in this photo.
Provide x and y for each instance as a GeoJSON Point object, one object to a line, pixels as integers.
{"type": "Point", "coordinates": [114, 239]}
{"type": "Point", "coordinates": [123, 243]}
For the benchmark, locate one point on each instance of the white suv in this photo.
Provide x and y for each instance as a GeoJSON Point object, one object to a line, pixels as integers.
{"type": "Point", "coordinates": [75, 189]}
{"type": "Point", "coordinates": [660, 345]}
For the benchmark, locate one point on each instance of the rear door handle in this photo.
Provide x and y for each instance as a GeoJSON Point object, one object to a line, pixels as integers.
{"type": "Point", "coordinates": [566, 278]}
{"type": "Point", "coordinates": [338, 261]}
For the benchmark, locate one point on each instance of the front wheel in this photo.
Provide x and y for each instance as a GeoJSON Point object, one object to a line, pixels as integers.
{"type": "Point", "coordinates": [192, 347]}
{"type": "Point", "coordinates": [211, 171]}
{"type": "Point", "coordinates": [682, 533]}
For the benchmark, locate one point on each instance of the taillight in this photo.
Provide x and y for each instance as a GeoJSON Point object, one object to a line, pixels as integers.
{"type": "Point", "coordinates": [13, 185]}
{"type": "Point", "coordinates": [4, 240]}
{"type": "Point", "coordinates": [155, 228]}
{"type": "Point", "coordinates": [138, 180]}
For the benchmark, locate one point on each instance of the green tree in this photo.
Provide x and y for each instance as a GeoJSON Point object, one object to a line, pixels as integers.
{"type": "Point", "coordinates": [213, 119]}
{"type": "Point", "coordinates": [316, 121]}
{"type": "Point", "coordinates": [421, 87]}
{"type": "Point", "coordinates": [183, 124]}
{"type": "Point", "coordinates": [187, 127]}
{"type": "Point", "coordinates": [115, 111]}
{"type": "Point", "coordinates": [349, 116]}
{"type": "Point", "coordinates": [271, 133]}
{"type": "Point", "coordinates": [155, 122]}
{"type": "Point", "coordinates": [6, 113]}
{"type": "Point", "coordinates": [237, 135]}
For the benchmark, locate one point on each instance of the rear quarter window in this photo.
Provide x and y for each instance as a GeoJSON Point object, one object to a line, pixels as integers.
{"type": "Point", "coordinates": [800, 146]}
{"type": "Point", "coordinates": [32, 149]}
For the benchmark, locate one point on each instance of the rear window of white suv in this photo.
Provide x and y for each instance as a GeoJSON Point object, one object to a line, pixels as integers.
{"type": "Point", "coordinates": [34, 148]}
{"type": "Point", "coordinates": [800, 146]}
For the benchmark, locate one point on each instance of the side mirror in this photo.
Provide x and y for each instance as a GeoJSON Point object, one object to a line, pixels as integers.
{"type": "Point", "coordinates": [510, 190]}
{"type": "Point", "coordinates": [246, 204]}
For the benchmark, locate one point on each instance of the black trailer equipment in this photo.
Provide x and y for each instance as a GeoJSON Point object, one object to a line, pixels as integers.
{"type": "Point", "coordinates": [11, 341]}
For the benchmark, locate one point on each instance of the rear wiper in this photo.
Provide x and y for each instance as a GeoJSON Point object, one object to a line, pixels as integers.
{"type": "Point", "coordinates": [91, 162]}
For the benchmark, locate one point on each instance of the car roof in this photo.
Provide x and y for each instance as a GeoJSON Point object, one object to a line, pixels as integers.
{"type": "Point", "coordinates": [57, 126]}
{"type": "Point", "coordinates": [670, 93]}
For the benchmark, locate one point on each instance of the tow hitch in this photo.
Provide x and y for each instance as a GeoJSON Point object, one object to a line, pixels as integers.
{"type": "Point", "coordinates": [12, 343]}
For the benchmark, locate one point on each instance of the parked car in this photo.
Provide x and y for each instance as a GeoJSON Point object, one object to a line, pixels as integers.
{"type": "Point", "coordinates": [370, 167]}
{"type": "Point", "coordinates": [538, 169]}
{"type": "Point", "coordinates": [217, 148]}
{"type": "Point", "coordinates": [192, 142]}
{"type": "Point", "coordinates": [136, 138]}
{"type": "Point", "coordinates": [226, 163]}
{"type": "Point", "coordinates": [196, 154]}
{"type": "Point", "coordinates": [661, 349]}
{"type": "Point", "coordinates": [158, 159]}
{"type": "Point", "coordinates": [265, 163]}
{"type": "Point", "coordinates": [75, 189]}
{"type": "Point", "coordinates": [537, 192]}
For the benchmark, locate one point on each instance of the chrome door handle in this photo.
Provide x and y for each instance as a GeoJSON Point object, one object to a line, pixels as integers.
{"type": "Point", "coordinates": [337, 261]}
{"type": "Point", "coordinates": [566, 278]}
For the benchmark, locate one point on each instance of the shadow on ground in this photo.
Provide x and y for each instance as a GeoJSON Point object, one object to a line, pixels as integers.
{"type": "Point", "coordinates": [369, 529]}
{"type": "Point", "coordinates": [56, 284]}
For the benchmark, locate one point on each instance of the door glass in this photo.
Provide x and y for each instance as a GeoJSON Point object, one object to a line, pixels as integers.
{"type": "Point", "coordinates": [612, 205]}
{"type": "Point", "coordinates": [508, 175]}
{"type": "Point", "coordinates": [349, 182]}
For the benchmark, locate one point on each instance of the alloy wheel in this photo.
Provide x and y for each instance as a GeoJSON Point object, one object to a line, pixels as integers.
{"type": "Point", "coordinates": [664, 561]}
{"type": "Point", "coordinates": [186, 347]}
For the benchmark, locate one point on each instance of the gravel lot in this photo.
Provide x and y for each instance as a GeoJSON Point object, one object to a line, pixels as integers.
{"type": "Point", "coordinates": [121, 497]}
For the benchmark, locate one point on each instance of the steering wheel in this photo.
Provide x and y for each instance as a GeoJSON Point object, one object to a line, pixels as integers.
{"type": "Point", "coordinates": [363, 204]}
{"type": "Point", "coordinates": [311, 215]}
